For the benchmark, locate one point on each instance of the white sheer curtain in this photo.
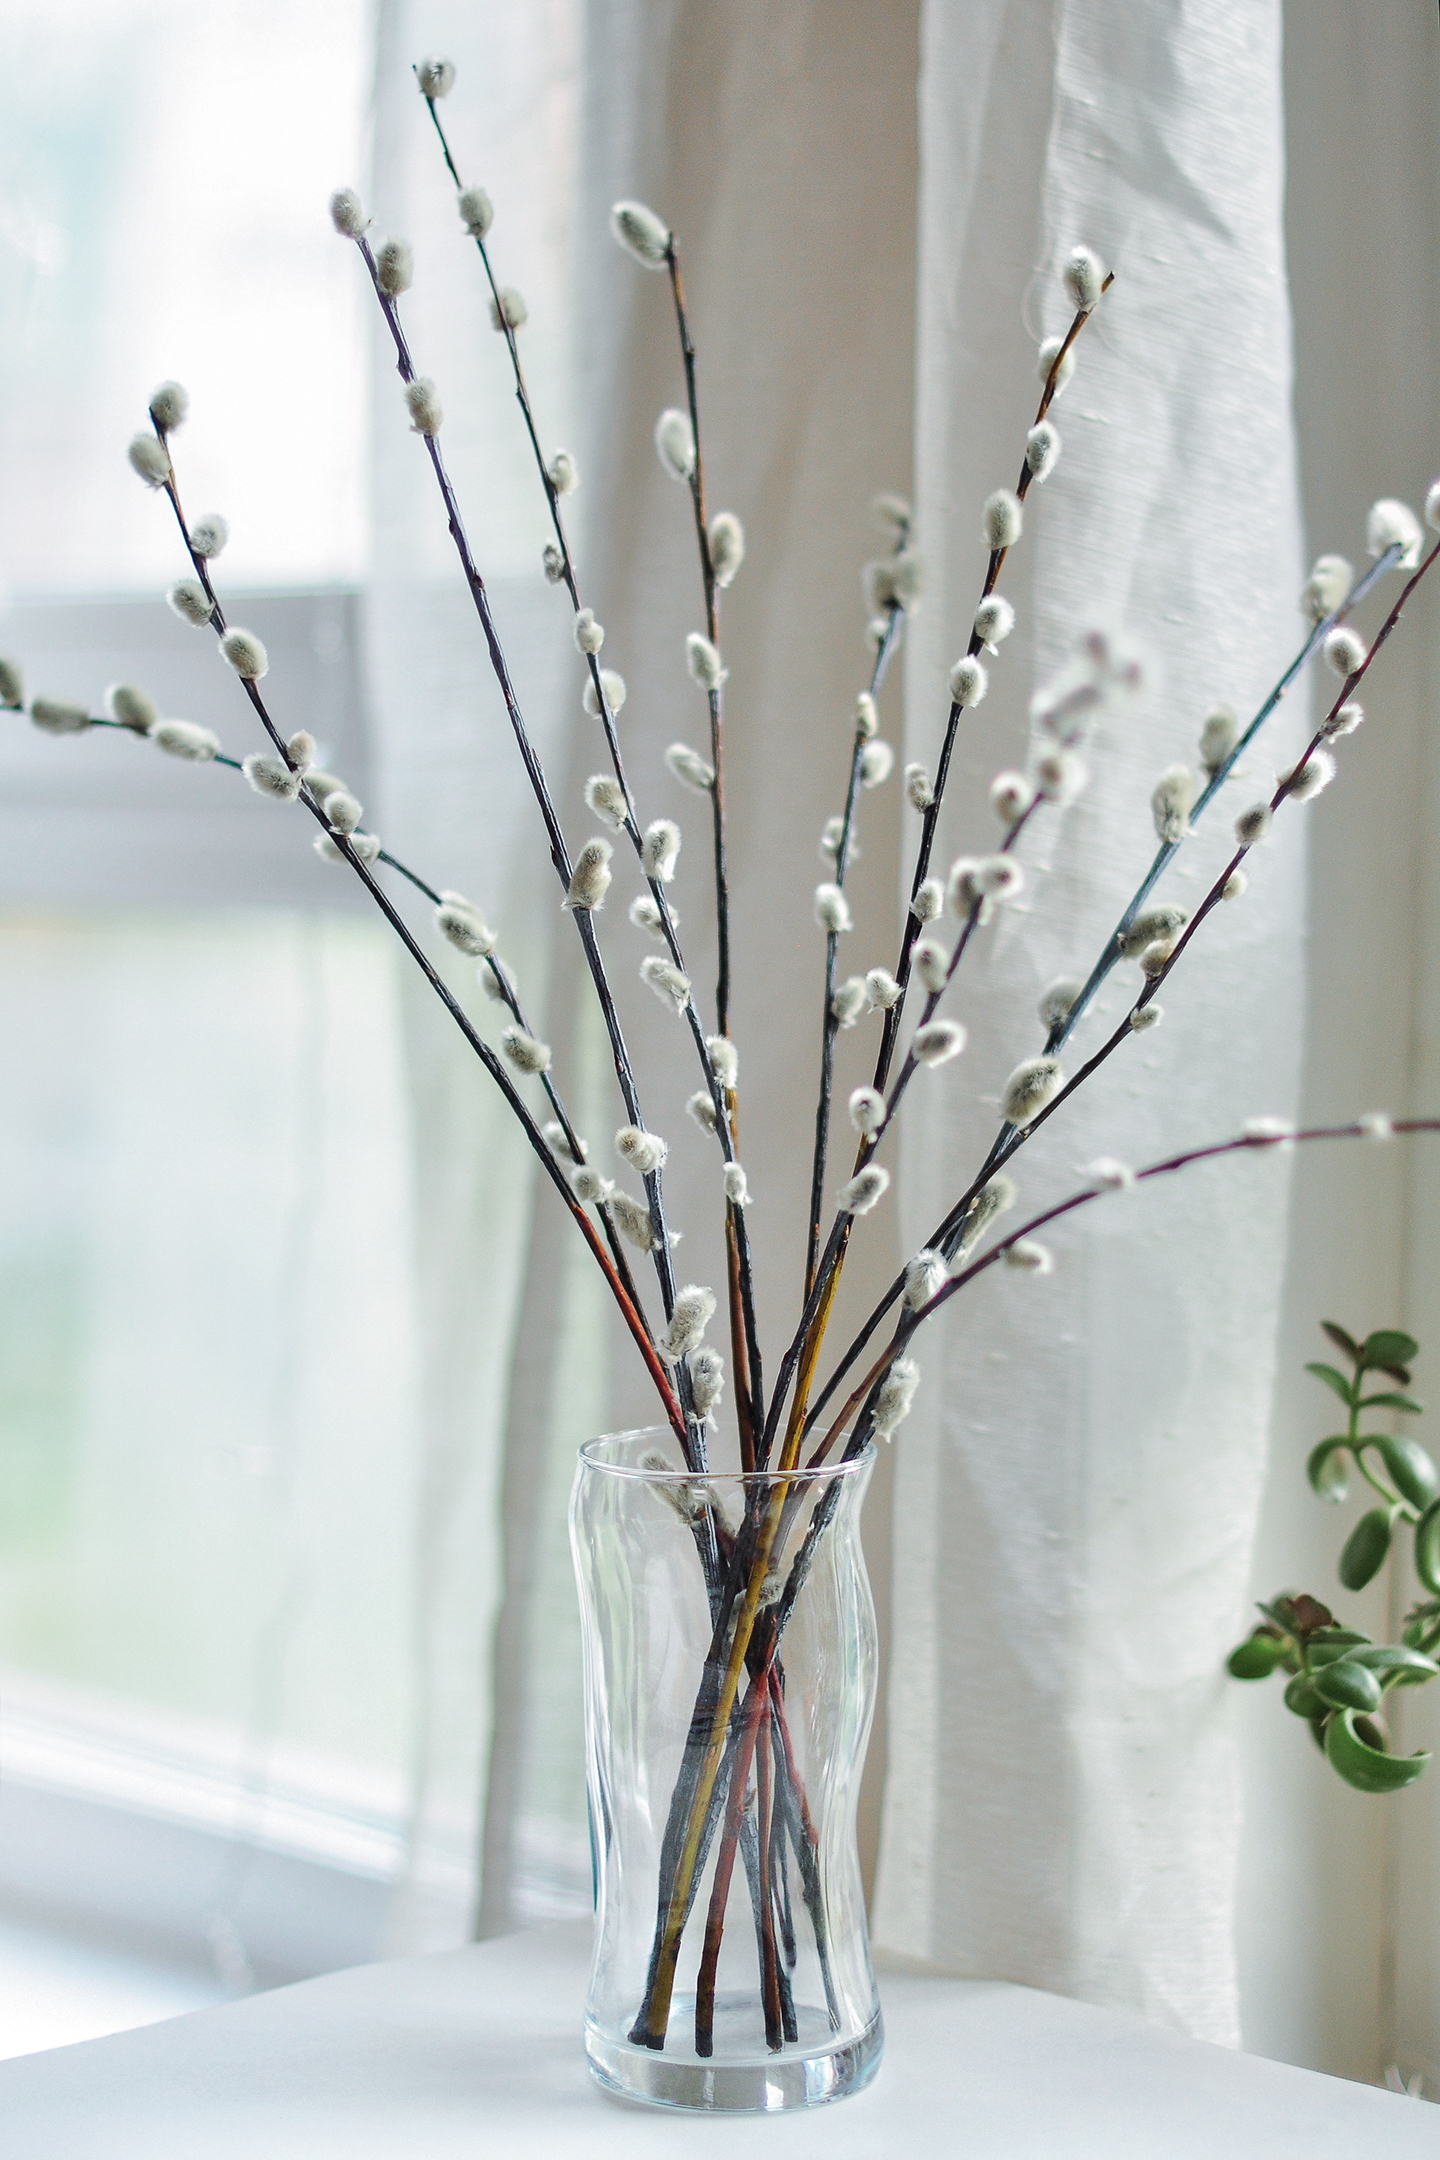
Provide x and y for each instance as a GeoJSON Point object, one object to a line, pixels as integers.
{"type": "Point", "coordinates": [1077, 1493]}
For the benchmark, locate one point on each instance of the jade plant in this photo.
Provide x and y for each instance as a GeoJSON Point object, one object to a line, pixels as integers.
{"type": "Point", "coordinates": [1339, 1678]}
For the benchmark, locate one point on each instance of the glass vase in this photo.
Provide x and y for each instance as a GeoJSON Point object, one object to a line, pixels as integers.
{"type": "Point", "coordinates": [730, 1658]}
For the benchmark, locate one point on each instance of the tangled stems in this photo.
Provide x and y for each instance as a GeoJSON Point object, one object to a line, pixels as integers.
{"type": "Point", "coordinates": [744, 1327]}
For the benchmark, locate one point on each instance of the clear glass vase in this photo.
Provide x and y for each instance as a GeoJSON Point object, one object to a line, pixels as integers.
{"type": "Point", "coordinates": [730, 1659]}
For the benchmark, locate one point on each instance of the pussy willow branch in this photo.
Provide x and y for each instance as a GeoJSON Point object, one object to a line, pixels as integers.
{"type": "Point", "coordinates": [744, 1326]}
{"type": "Point", "coordinates": [948, 1232]}
{"type": "Point", "coordinates": [624, 1072]}
{"type": "Point", "coordinates": [675, 1414]}
{"type": "Point", "coordinates": [828, 1022]}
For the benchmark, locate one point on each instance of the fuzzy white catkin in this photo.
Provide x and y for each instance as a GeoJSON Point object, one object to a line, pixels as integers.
{"type": "Point", "coordinates": [669, 983]}
{"type": "Point", "coordinates": [1146, 1016]}
{"type": "Point", "coordinates": [931, 962]}
{"type": "Point", "coordinates": [701, 1108]}
{"type": "Point", "coordinates": [1346, 719]}
{"type": "Point", "coordinates": [563, 473]}
{"type": "Point", "coordinates": [58, 716]}
{"type": "Point", "coordinates": [644, 1151]}
{"type": "Point", "coordinates": [497, 981]}
{"type": "Point", "coordinates": [634, 1220]}
{"type": "Point", "coordinates": [660, 849]}
{"type": "Point", "coordinates": [1149, 927]}
{"type": "Point", "coordinates": [727, 547]}
{"type": "Point", "coordinates": [1171, 803]}
{"type": "Point", "coordinates": [461, 922]}
{"type": "Point", "coordinates": [1112, 1175]}
{"type": "Point", "coordinates": [1269, 1131]}
{"type": "Point", "coordinates": [641, 233]}
{"type": "Point", "coordinates": [587, 1184]}
{"type": "Point", "coordinates": [1393, 524]}
{"type": "Point", "coordinates": [1235, 885]}
{"type": "Point", "coordinates": [994, 621]}
{"type": "Point", "coordinates": [589, 634]}
{"type": "Point", "coordinates": [892, 515]}
{"type": "Point", "coordinates": [992, 1200]}
{"type": "Point", "coordinates": [394, 267]}
{"type": "Point", "coordinates": [929, 901]}
{"type": "Point", "coordinates": [877, 762]}
{"type": "Point", "coordinates": [1011, 795]}
{"type": "Point", "coordinates": [1376, 1125]}
{"type": "Point", "coordinates": [1306, 781]}
{"type": "Point", "coordinates": [693, 1310]}
{"type": "Point", "coordinates": [924, 1275]}
{"type": "Point", "coordinates": [1060, 776]}
{"type": "Point", "coordinates": [1002, 520]}
{"type": "Point", "coordinates": [962, 891]}
{"type": "Point", "coordinates": [864, 1190]}
{"type": "Point", "coordinates": [1029, 1257]}
{"type": "Point", "coordinates": [737, 1185]}
{"type": "Point", "coordinates": [893, 1400]}
{"type": "Point", "coordinates": [907, 579]}
{"type": "Point", "coordinates": [832, 910]}
{"type": "Point", "coordinates": [938, 1041]}
{"type": "Point", "coordinates": [245, 654]}
{"type": "Point", "coordinates": [1084, 278]}
{"type": "Point", "coordinates": [12, 684]}
{"type": "Point", "coordinates": [1326, 587]}
{"type": "Point", "coordinates": [882, 989]}
{"type": "Point", "coordinates": [605, 796]}
{"type": "Point", "coordinates": [867, 720]}
{"type": "Point", "coordinates": [675, 443]}
{"type": "Point", "coordinates": [724, 1059]}
{"type": "Point", "coordinates": [169, 405]}
{"type": "Point", "coordinates": [877, 585]}
{"type": "Point", "coordinates": [189, 600]}
{"type": "Point", "coordinates": [150, 458]}
{"type": "Point", "coordinates": [525, 1052]}
{"type": "Point", "coordinates": [508, 310]}
{"type": "Point", "coordinates": [877, 632]}
{"type": "Point", "coordinates": [347, 213]}
{"type": "Point", "coordinates": [703, 662]}
{"type": "Point", "coordinates": [436, 76]}
{"type": "Point", "coordinates": [1253, 824]}
{"type": "Point", "coordinates": [1042, 449]}
{"type": "Point", "coordinates": [1045, 361]}
{"type": "Point", "coordinates": [1057, 1000]}
{"type": "Point", "coordinates": [477, 212]}
{"type": "Point", "coordinates": [689, 768]}
{"type": "Point", "coordinates": [1344, 651]}
{"type": "Point", "coordinates": [208, 535]}
{"type": "Point", "coordinates": [1156, 958]}
{"type": "Point", "coordinates": [271, 776]}
{"type": "Point", "coordinates": [590, 877]}
{"type": "Point", "coordinates": [968, 681]}
{"type": "Point", "coordinates": [867, 1110]}
{"type": "Point", "coordinates": [612, 685]}
{"type": "Point", "coordinates": [422, 401]}
{"type": "Point", "coordinates": [1432, 506]}
{"type": "Point", "coordinates": [182, 739]}
{"type": "Point", "coordinates": [555, 1133]}
{"type": "Point", "coordinates": [707, 1379]}
{"type": "Point", "coordinates": [1029, 1088]}
{"type": "Point", "coordinates": [645, 915]}
{"type": "Point", "coordinates": [343, 812]}
{"type": "Point", "coordinates": [918, 791]}
{"type": "Point", "coordinates": [848, 1001]}
{"type": "Point", "coordinates": [132, 707]}
{"type": "Point", "coordinates": [999, 877]}
{"type": "Point", "coordinates": [1218, 737]}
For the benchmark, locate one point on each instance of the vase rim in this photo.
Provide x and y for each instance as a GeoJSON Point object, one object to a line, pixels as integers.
{"type": "Point", "coordinates": [656, 1435]}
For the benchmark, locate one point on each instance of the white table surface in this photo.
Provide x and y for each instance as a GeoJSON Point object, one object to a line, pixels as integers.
{"type": "Point", "coordinates": [479, 2052]}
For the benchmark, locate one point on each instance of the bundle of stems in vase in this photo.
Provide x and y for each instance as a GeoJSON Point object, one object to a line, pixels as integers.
{"type": "Point", "coordinates": [788, 1416]}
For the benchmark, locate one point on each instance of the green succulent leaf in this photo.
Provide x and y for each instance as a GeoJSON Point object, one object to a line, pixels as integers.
{"type": "Point", "coordinates": [1341, 1340]}
{"type": "Point", "coordinates": [1373, 1731]}
{"type": "Point", "coordinates": [1256, 1658]}
{"type": "Point", "coordinates": [1338, 1634]}
{"type": "Point", "coordinates": [1388, 1347]}
{"type": "Point", "coordinates": [1427, 1548]}
{"type": "Point", "coordinates": [1412, 1473]}
{"type": "Point", "coordinates": [1333, 1379]}
{"type": "Point", "coordinates": [1348, 1685]}
{"type": "Point", "coordinates": [1367, 1768]}
{"type": "Point", "coordinates": [1301, 1697]}
{"type": "Point", "coordinates": [1328, 1470]}
{"type": "Point", "coordinates": [1391, 1402]}
{"type": "Point", "coordinates": [1363, 1553]}
{"type": "Point", "coordinates": [1395, 1658]}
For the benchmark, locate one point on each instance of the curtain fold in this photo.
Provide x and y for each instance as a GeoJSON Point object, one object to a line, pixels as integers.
{"type": "Point", "coordinates": [1077, 1492]}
